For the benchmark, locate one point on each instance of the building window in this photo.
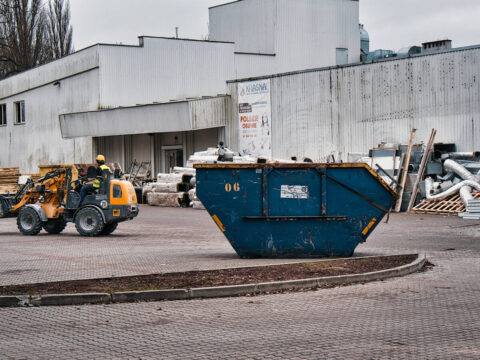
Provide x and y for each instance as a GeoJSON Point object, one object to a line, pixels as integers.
{"type": "Point", "coordinates": [3, 114]}
{"type": "Point", "coordinates": [20, 112]}
{"type": "Point", "coordinates": [342, 56]}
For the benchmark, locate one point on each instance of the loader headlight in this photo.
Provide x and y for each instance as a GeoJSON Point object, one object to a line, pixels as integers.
{"type": "Point", "coordinates": [104, 204]}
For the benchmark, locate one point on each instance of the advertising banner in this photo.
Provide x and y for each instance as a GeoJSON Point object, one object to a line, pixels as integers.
{"type": "Point", "coordinates": [255, 122]}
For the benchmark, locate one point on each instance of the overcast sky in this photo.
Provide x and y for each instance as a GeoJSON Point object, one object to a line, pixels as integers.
{"type": "Point", "coordinates": [392, 24]}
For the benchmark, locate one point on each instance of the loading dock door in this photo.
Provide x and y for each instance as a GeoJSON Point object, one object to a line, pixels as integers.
{"type": "Point", "coordinates": [173, 158]}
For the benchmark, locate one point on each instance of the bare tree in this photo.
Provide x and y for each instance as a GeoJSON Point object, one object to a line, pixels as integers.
{"type": "Point", "coordinates": [32, 33]}
{"type": "Point", "coordinates": [22, 36]}
{"type": "Point", "coordinates": [59, 29]}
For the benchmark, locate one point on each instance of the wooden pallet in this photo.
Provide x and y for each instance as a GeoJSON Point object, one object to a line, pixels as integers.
{"type": "Point", "coordinates": [453, 205]}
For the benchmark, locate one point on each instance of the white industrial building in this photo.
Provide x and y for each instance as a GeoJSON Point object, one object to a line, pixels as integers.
{"type": "Point", "coordinates": [277, 36]}
{"type": "Point", "coordinates": [304, 93]}
{"type": "Point", "coordinates": [110, 84]}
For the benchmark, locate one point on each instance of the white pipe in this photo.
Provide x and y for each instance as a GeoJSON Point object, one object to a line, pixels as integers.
{"type": "Point", "coordinates": [451, 191]}
{"type": "Point", "coordinates": [462, 155]}
{"type": "Point", "coordinates": [453, 166]}
{"type": "Point", "coordinates": [466, 194]}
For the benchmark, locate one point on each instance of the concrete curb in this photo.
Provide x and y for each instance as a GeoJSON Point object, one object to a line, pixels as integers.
{"type": "Point", "coordinates": [203, 293]}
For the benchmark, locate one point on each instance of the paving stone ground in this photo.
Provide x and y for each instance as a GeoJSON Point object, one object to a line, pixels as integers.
{"type": "Point", "coordinates": [429, 315]}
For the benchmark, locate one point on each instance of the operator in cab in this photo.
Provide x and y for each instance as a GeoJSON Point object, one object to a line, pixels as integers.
{"type": "Point", "coordinates": [93, 188]}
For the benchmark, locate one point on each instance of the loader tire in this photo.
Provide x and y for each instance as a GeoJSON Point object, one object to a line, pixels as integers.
{"type": "Point", "coordinates": [89, 222]}
{"type": "Point", "coordinates": [2, 209]}
{"type": "Point", "coordinates": [108, 229]}
{"type": "Point", "coordinates": [29, 222]}
{"type": "Point", "coordinates": [55, 226]}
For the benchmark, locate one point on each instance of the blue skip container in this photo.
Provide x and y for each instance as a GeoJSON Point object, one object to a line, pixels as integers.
{"type": "Point", "coordinates": [294, 210]}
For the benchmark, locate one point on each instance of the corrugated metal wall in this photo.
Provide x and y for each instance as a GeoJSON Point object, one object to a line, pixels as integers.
{"type": "Point", "coordinates": [352, 109]}
{"type": "Point", "coordinates": [163, 70]}
{"type": "Point", "coordinates": [249, 23]}
{"type": "Point", "coordinates": [310, 31]}
{"type": "Point", "coordinates": [208, 113]}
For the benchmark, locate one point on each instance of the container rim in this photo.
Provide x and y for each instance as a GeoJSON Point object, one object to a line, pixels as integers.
{"type": "Point", "coordinates": [279, 165]}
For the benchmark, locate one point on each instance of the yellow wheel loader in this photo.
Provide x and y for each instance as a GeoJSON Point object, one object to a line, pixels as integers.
{"type": "Point", "coordinates": [53, 201]}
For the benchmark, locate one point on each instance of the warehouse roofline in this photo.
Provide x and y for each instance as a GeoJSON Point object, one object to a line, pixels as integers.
{"type": "Point", "coordinates": [236, 1]}
{"type": "Point", "coordinates": [440, 52]}
{"type": "Point", "coordinates": [73, 64]}
{"type": "Point", "coordinates": [185, 39]}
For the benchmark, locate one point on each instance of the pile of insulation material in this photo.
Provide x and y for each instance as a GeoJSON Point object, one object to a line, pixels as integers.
{"type": "Point", "coordinates": [171, 190]}
{"type": "Point", "coordinates": [178, 188]}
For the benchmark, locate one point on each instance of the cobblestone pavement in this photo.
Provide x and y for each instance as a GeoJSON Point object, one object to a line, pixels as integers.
{"type": "Point", "coordinates": [159, 240]}
{"type": "Point", "coordinates": [429, 315]}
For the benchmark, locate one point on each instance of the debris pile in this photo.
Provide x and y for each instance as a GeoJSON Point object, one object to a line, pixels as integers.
{"type": "Point", "coordinates": [430, 179]}
{"type": "Point", "coordinates": [455, 190]}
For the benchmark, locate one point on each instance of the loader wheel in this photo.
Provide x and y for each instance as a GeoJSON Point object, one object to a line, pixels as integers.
{"type": "Point", "coordinates": [2, 209]}
{"type": "Point", "coordinates": [55, 226]}
{"type": "Point", "coordinates": [108, 229]}
{"type": "Point", "coordinates": [28, 221]}
{"type": "Point", "coordinates": [89, 222]}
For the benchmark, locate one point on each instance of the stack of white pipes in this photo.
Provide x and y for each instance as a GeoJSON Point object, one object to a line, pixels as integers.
{"type": "Point", "coordinates": [469, 182]}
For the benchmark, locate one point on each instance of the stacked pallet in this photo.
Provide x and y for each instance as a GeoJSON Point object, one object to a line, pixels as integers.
{"type": "Point", "coordinates": [452, 205]}
{"type": "Point", "coordinates": [9, 179]}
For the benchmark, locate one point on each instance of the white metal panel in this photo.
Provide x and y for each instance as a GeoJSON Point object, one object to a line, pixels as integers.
{"type": "Point", "coordinates": [78, 62]}
{"type": "Point", "coordinates": [39, 140]}
{"type": "Point", "coordinates": [127, 121]}
{"type": "Point", "coordinates": [247, 65]}
{"type": "Point", "coordinates": [352, 109]}
{"type": "Point", "coordinates": [232, 133]}
{"type": "Point", "coordinates": [249, 23]}
{"type": "Point", "coordinates": [111, 147]}
{"type": "Point", "coordinates": [153, 118]}
{"type": "Point", "coordinates": [203, 139]}
{"type": "Point", "coordinates": [162, 70]}
{"type": "Point", "coordinates": [142, 148]}
{"type": "Point", "coordinates": [208, 113]}
{"type": "Point", "coordinates": [309, 32]}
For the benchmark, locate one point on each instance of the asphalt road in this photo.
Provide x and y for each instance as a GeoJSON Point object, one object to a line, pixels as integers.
{"type": "Point", "coordinates": [429, 315]}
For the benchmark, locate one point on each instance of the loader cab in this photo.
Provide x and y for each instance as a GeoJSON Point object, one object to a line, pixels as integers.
{"type": "Point", "coordinates": [102, 196]}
